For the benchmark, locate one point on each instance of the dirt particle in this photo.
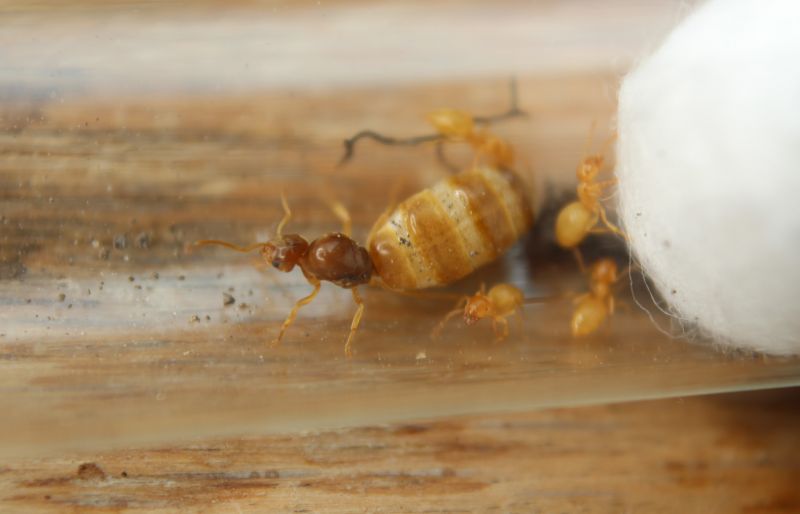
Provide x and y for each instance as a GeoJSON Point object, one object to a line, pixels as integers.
{"type": "Point", "coordinates": [243, 306]}
{"type": "Point", "coordinates": [154, 275]}
{"type": "Point", "coordinates": [90, 471]}
{"type": "Point", "coordinates": [124, 474]}
{"type": "Point", "coordinates": [131, 279]}
{"type": "Point", "coordinates": [120, 242]}
{"type": "Point", "coordinates": [227, 299]}
{"type": "Point", "coordinates": [194, 319]}
{"type": "Point", "coordinates": [181, 277]}
{"type": "Point", "coordinates": [61, 297]}
{"type": "Point", "coordinates": [143, 240]}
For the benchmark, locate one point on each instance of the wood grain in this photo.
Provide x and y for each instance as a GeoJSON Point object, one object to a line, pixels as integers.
{"type": "Point", "coordinates": [731, 453]}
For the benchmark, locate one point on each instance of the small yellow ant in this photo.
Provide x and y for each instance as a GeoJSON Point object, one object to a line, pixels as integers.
{"type": "Point", "coordinates": [454, 126]}
{"type": "Point", "coordinates": [580, 218]}
{"type": "Point", "coordinates": [594, 307]}
{"type": "Point", "coordinates": [500, 302]}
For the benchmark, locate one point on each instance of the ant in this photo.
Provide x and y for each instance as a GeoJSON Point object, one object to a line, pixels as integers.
{"type": "Point", "coordinates": [454, 126]}
{"type": "Point", "coordinates": [499, 303]}
{"type": "Point", "coordinates": [580, 218]}
{"type": "Point", "coordinates": [334, 257]}
{"type": "Point", "coordinates": [594, 307]}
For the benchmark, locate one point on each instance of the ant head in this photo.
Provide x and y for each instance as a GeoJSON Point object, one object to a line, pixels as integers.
{"type": "Point", "coordinates": [589, 167]}
{"type": "Point", "coordinates": [478, 306]}
{"type": "Point", "coordinates": [284, 252]}
{"type": "Point", "coordinates": [604, 271]}
{"type": "Point", "coordinates": [451, 123]}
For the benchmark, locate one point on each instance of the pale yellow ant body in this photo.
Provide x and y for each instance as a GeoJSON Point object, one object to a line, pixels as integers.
{"type": "Point", "coordinates": [578, 219]}
{"type": "Point", "coordinates": [593, 308]}
{"type": "Point", "coordinates": [499, 303]}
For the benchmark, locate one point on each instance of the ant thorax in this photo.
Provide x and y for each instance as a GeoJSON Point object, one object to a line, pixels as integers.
{"type": "Point", "coordinates": [337, 258]}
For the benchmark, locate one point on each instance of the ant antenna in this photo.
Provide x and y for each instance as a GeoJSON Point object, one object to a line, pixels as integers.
{"type": "Point", "coordinates": [243, 249]}
{"type": "Point", "coordinates": [350, 143]}
{"type": "Point", "coordinates": [287, 214]}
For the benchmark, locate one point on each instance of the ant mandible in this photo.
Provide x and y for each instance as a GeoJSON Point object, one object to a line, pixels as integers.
{"type": "Point", "coordinates": [334, 257]}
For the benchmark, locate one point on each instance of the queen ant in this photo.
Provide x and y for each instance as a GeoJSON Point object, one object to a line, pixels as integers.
{"type": "Point", "coordinates": [334, 257]}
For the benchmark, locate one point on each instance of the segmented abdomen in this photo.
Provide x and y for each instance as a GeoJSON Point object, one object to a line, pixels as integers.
{"type": "Point", "coordinates": [446, 232]}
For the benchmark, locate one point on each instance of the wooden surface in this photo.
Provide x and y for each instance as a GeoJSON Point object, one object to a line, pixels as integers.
{"type": "Point", "coordinates": [726, 453]}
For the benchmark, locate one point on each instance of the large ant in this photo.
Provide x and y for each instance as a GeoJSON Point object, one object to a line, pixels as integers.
{"type": "Point", "coordinates": [334, 257]}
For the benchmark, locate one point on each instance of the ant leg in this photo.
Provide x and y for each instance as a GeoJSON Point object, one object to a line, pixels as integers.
{"type": "Point", "coordinates": [459, 309]}
{"type": "Point", "coordinates": [604, 184]}
{"type": "Point", "coordinates": [504, 332]}
{"type": "Point", "coordinates": [578, 299]}
{"type": "Point", "coordinates": [611, 302]}
{"type": "Point", "coordinates": [287, 214]}
{"type": "Point", "coordinates": [611, 227]}
{"type": "Point", "coordinates": [452, 168]}
{"type": "Point", "coordinates": [348, 345]}
{"type": "Point", "coordinates": [300, 303]}
{"type": "Point", "coordinates": [579, 258]}
{"type": "Point", "coordinates": [340, 211]}
{"type": "Point", "coordinates": [350, 143]}
{"type": "Point", "coordinates": [520, 322]}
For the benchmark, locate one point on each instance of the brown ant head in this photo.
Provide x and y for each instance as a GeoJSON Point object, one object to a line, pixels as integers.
{"type": "Point", "coordinates": [478, 306]}
{"type": "Point", "coordinates": [284, 252]}
{"type": "Point", "coordinates": [589, 168]}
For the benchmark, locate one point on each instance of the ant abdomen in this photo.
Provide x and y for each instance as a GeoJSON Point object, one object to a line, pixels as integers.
{"type": "Point", "coordinates": [444, 233]}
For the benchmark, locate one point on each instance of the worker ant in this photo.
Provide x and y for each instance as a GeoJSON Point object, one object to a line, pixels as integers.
{"type": "Point", "coordinates": [499, 303]}
{"type": "Point", "coordinates": [454, 126]}
{"type": "Point", "coordinates": [594, 307]}
{"type": "Point", "coordinates": [579, 218]}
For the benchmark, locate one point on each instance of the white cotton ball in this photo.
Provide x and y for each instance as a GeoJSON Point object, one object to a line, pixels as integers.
{"type": "Point", "coordinates": [708, 161]}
